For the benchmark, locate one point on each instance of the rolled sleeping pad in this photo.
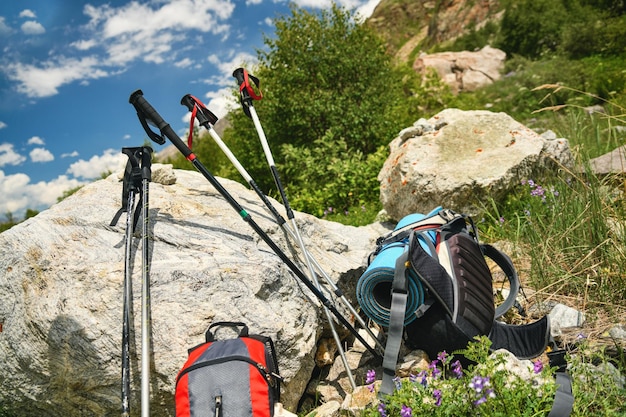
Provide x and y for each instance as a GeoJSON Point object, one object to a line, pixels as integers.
{"type": "Point", "coordinates": [373, 290]}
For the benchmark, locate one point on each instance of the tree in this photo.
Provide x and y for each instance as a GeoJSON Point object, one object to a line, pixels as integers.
{"type": "Point", "coordinates": [331, 95]}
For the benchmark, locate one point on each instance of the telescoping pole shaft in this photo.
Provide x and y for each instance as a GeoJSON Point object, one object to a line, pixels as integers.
{"type": "Point", "coordinates": [151, 114]}
{"type": "Point", "coordinates": [146, 322]}
{"type": "Point", "coordinates": [127, 299]}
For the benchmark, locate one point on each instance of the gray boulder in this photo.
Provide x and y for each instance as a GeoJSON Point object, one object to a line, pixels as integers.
{"type": "Point", "coordinates": [464, 70]}
{"type": "Point", "coordinates": [61, 293]}
{"type": "Point", "coordinates": [458, 159]}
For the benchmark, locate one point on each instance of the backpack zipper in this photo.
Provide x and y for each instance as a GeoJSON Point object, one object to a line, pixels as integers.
{"type": "Point", "coordinates": [218, 406]}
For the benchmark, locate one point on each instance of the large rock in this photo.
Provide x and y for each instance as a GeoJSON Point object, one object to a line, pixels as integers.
{"type": "Point", "coordinates": [465, 70]}
{"type": "Point", "coordinates": [458, 159]}
{"type": "Point", "coordinates": [610, 163]}
{"type": "Point", "coordinates": [61, 293]}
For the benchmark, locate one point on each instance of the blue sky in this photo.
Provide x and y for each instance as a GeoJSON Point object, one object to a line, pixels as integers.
{"type": "Point", "coordinates": [68, 67]}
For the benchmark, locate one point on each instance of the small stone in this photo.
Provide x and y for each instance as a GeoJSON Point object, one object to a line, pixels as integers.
{"type": "Point", "coordinates": [566, 316]}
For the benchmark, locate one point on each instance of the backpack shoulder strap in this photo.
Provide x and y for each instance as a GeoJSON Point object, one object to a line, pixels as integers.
{"type": "Point", "coordinates": [506, 265]}
{"type": "Point", "coordinates": [563, 398]}
{"type": "Point", "coordinates": [399, 294]}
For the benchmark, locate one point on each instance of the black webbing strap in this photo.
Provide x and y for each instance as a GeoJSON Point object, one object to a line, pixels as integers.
{"type": "Point", "coordinates": [144, 123]}
{"type": "Point", "coordinates": [130, 183]}
{"type": "Point", "coordinates": [399, 295]}
{"type": "Point", "coordinates": [564, 397]}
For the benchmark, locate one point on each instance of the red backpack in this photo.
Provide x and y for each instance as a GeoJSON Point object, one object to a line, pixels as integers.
{"type": "Point", "coordinates": [233, 377]}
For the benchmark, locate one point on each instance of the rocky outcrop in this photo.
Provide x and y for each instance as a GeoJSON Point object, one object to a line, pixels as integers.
{"type": "Point", "coordinates": [61, 292]}
{"type": "Point", "coordinates": [458, 159]}
{"type": "Point", "coordinates": [465, 70]}
{"type": "Point", "coordinates": [407, 25]}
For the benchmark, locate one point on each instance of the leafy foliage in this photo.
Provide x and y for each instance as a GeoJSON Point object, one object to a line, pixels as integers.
{"type": "Point", "coordinates": [332, 101]}
{"type": "Point", "coordinates": [487, 388]}
{"type": "Point", "coordinates": [575, 29]}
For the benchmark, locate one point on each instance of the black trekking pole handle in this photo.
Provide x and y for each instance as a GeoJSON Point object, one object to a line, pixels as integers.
{"type": "Point", "coordinates": [141, 104]}
{"type": "Point", "coordinates": [137, 100]}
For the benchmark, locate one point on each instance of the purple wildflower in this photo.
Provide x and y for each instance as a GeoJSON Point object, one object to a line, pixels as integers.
{"type": "Point", "coordinates": [406, 411]}
{"type": "Point", "coordinates": [479, 383]}
{"type": "Point", "coordinates": [488, 394]}
{"type": "Point", "coordinates": [435, 372]}
{"type": "Point", "coordinates": [457, 369]}
{"type": "Point", "coordinates": [423, 375]}
{"type": "Point", "coordinates": [370, 376]}
{"type": "Point", "coordinates": [538, 191]}
{"type": "Point", "coordinates": [437, 396]}
{"type": "Point", "coordinates": [382, 410]}
{"type": "Point", "coordinates": [537, 366]}
{"type": "Point", "coordinates": [442, 356]}
{"type": "Point", "coordinates": [397, 383]}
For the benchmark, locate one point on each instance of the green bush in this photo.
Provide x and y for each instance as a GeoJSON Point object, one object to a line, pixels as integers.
{"type": "Point", "coordinates": [332, 101]}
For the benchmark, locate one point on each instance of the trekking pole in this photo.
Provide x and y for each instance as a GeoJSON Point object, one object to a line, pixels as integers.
{"type": "Point", "coordinates": [146, 322]}
{"type": "Point", "coordinates": [247, 95]}
{"type": "Point", "coordinates": [145, 110]}
{"type": "Point", "coordinates": [130, 187]}
{"type": "Point", "coordinates": [206, 119]}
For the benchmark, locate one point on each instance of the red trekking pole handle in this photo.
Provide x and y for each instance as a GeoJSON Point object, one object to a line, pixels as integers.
{"type": "Point", "coordinates": [246, 92]}
{"type": "Point", "coordinates": [198, 111]}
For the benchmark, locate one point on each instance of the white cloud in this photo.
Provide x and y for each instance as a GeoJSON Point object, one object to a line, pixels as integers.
{"type": "Point", "coordinates": [225, 66]}
{"type": "Point", "coordinates": [8, 156]}
{"type": "Point", "coordinates": [28, 14]}
{"type": "Point", "coordinates": [69, 154]}
{"type": "Point", "coordinates": [36, 140]}
{"type": "Point", "coordinates": [161, 28]}
{"type": "Point", "coordinates": [4, 28]}
{"type": "Point", "coordinates": [41, 155]}
{"type": "Point", "coordinates": [84, 44]}
{"type": "Point", "coordinates": [45, 81]}
{"type": "Point", "coordinates": [221, 101]}
{"type": "Point", "coordinates": [33, 28]}
{"type": "Point", "coordinates": [20, 194]}
{"type": "Point", "coordinates": [152, 32]}
{"type": "Point", "coordinates": [2, 125]}
{"type": "Point", "coordinates": [184, 63]}
{"type": "Point", "coordinates": [111, 160]}
{"type": "Point", "coordinates": [365, 10]}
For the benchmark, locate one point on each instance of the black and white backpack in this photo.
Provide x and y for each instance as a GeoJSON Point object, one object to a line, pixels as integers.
{"type": "Point", "coordinates": [428, 282]}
